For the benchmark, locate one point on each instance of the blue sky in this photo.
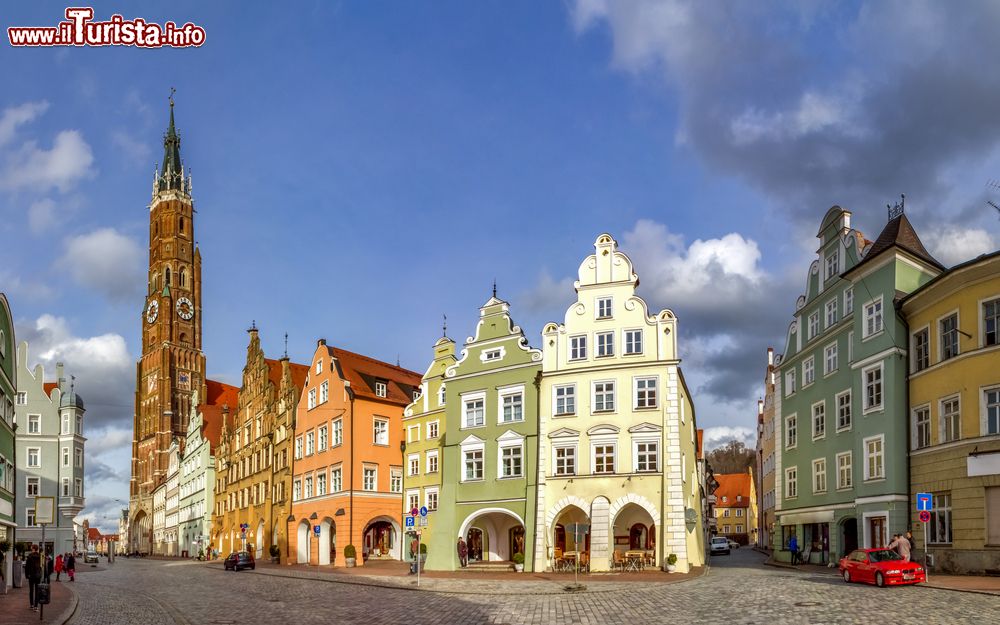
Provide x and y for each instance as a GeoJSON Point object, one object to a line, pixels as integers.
{"type": "Point", "coordinates": [361, 168]}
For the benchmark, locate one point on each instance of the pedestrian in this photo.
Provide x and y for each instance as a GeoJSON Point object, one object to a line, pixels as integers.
{"type": "Point", "coordinates": [912, 541]}
{"type": "Point", "coordinates": [414, 551]}
{"type": "Point", "coordinates": [793, 546]}
{"type": "Point", "coordinates": [901, 546]}
{"type": "Point", "coordinates": [33, 571]}
{"type": "Point", "coordinates": [71, 567]}
{"type": "Point", "coordinates": [463, 552]}
{"type": "Point", "coordinates": [49, 565]}
{"type": "Point", "coordinates": [59, 566]}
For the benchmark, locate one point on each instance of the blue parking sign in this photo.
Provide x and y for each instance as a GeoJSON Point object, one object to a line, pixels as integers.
{"type": "Point", "coordinates": [411, 522]}
{"type": "Point", "coordinates": [925, 502]}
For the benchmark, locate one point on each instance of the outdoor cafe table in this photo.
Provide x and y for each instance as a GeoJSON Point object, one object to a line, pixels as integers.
{"type": "Point", "coordinates": [635, 559]}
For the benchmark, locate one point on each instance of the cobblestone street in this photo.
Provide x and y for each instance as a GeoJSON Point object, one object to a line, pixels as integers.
{"type": "Point", "coordinates": [737, 590]}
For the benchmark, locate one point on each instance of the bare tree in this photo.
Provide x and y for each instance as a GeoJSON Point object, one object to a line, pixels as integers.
{"type": "Point", "coordinates": [733, 457]}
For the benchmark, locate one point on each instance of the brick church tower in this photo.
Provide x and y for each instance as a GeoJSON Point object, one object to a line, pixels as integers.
{"type": "Point", "coordinates": [172, 366]}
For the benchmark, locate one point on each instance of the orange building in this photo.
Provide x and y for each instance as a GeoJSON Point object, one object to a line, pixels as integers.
{"type": "Point", "coordinates": [347, 482]}
{"type": "Point", "coordinates": [736, 507]}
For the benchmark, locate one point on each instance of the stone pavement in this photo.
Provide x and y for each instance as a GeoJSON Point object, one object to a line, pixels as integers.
{"type": "Point", "coordinates": [14, 605]}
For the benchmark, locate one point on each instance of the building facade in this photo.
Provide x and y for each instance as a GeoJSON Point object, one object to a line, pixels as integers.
{"type": "Point", "coordinates": [424, 423]}
{"type": "Point", "coordinates": [348, 469]}
{"type": "Point", "coordinates": [954, 410]}
{"type": "Point", "coordinates": [8, 393]}
{"type": "Point", "coordinates": [197, 472]}
{"type": "Point", "coordinates": [489, 447]}
{"type": "Point", "coordinates": [842, 465]}
{"type": "Point", "coordinates": [766, 457]}
{"type": "Point", "coordinates": [254, 458]}
{"type": "Point", "coordinates": [617, 429]}
{"type": "Point", "coordinates": [50, 452]}
{"type": "Point", "coordinates": [171, 502]}
{"type": "Point", "coordinates": [172, 366]}
{"type": "Point", "coordinates": [736, 506]}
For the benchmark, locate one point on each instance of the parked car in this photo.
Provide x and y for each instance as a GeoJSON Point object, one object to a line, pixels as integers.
{"type": "Point", "coordinates": [882, 567]}
{"type": "Point", "coordinates": [240, 560]}
{"type": "Point", "coordinates": [90, 558]}
{"type": "Point", "coordinates": [733, 544]}
{"type": "Point", "coordinates": [719, 544]}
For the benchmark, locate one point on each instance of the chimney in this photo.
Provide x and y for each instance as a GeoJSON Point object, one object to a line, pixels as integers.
{"type": "Point", "coordinates": [320, 342]}
{"type": "Point", "coordinates": [760, 406]}
{"type": "Point", "coordinates": [770, 356]}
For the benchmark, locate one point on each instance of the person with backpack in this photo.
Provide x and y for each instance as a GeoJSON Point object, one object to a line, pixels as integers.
{"type": "Point", "coordinates": [33, 571]}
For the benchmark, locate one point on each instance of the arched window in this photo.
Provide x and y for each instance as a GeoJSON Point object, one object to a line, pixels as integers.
{"type": "Point", "coordinates": [182, 281]}
{"type": "Point", "coordinates": [182, 223]}
{"type": "Point", "coordinates": [167, 279]}
{"type": "Point", "coordinates": [155, 282]}
{"type": "Point", "coordinates": [3, 343]}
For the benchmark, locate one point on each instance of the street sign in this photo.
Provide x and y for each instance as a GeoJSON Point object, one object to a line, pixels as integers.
{"type": "Point", "coordinates": [411, 521]}
{"type": "Point", "coordinates": [423, 511]}
{"type": "Point", "coordinates": [423, 521]}
{"type": "Point", "coordinates": [316, 529]}
{"type": "Point", "coordinates": [925, 501]}
{"type": "Point", "coordinates": [925, 516]}
{"type": "Point", "coordinates": [45, 510]}
{"type": "Point", "coordinates": [415, 511]}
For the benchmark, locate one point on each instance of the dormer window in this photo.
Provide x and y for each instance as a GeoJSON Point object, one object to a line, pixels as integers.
{"type": "Point", "coordinates": [492, 354]}
{"type": "Point", "coordinates": [381, 388]}
{"type": "Point", "coordinates": [724, 499]}
{"type": "Point", "coordinates": [604, 308]}
{"type": "Point", "coordinates": [832, 264]}
{"type": "Point", "coordinates": [319, 366]}
{"type": "Point", "coordinates": [441, 395]}
{"type": "Point", "coordinates": [416, 395]}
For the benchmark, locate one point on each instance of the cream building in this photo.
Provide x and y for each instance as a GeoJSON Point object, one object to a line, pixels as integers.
{"type": "Point", "coordinates": [617, 432]}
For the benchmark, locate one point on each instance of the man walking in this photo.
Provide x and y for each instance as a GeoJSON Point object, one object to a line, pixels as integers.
{"type": "Point", "coordinates": [793, 546]}
{"type": "Point", "coordinates": [33, 571]}
{"type": "Point", "coordinates": [901, 546]}
{"type": "Point", "coordinates": [463, 552]}
{"type": "Point", "coordinates": [71, 566]}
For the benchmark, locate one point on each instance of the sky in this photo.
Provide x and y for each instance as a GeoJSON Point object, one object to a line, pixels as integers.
{"type": "Point", "coordinates": [362, 168]}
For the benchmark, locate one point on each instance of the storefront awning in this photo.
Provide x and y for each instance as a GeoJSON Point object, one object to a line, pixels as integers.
{"type": "Point", "coordinates": [801, 518]}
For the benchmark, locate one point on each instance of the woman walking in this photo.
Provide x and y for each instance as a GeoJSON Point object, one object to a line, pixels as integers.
{"type": "Point", "coordinates": [59, 566]}
{"type": "Point", "coordinates": [71, 567]}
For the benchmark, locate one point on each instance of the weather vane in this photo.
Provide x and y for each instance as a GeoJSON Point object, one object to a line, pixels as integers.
{"type": "Point", "coordinates": [444, 326]}
{"type": "Point", "coordinates": [171, 97]}
{"type": "Point", "coordinates": [897, 210]}
{"type": "Point", "coordinates": [286, 344]}
{"type": "Point", "coordinates": [494, 287]}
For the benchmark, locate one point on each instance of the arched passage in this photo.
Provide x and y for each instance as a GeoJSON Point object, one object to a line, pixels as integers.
{"type": "Point", "coordinates": [259, 539]}
{"type": "Point", "coordinates": [141, 528]}
{"type": "Point", "coordinates": [493, 535]}
{"type": "Point", "coordinates": [381, 539]}
{"type": "Point", "coordinates": [327, 532]}
{"type": "Point", "coordinates": [570, 537]}
{"type": "Point", "coordinates": [635, 522]}
{"type": "Point", "coordinates": [302, 542]}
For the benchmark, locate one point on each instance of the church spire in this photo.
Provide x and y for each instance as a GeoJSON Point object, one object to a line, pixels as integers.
{"type": "Point", "coordinates": [171, 175]}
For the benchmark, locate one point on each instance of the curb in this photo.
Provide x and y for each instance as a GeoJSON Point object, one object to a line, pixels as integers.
{"type": "Point", "coordinates": [372, 583]}
{"type": "Point", "coordinates": [70, 610]}
{"type": "Point", "coordinates": [782, 565]}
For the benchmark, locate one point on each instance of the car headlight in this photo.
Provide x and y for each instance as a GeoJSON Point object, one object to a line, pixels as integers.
{"type": "Point", "coordinates": [894, 572]}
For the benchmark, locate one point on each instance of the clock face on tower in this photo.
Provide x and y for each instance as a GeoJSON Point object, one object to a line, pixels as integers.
{"type": "Point", "coordinates": [185, 310]}
{"type": "Point", "coordinates": [152, 310]}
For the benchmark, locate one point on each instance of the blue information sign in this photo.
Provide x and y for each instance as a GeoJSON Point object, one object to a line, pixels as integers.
{"type": "Point", "coordinates": [925, 502]}
{"type": "Point", "coordinates": [316, 529]}
{"type": "Point", "coordinates": [411, 521]}
{"type": "Point", "coordinates": [423, 511]}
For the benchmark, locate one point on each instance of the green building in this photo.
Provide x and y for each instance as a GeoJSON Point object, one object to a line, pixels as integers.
{"type": "Point", "coordinates": [840, 397]}
{"type": "Point", "coordinates": [8, 395]}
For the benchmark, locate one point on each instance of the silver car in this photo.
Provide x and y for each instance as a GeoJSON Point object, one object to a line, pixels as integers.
{"type": "Point", "coordinates": [719, 545]}
{"type": "Point", "coordinates": [90, 557]}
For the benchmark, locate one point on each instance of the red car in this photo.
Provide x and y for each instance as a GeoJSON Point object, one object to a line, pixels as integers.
{"type": "Point", "coordinates": [882, 567]}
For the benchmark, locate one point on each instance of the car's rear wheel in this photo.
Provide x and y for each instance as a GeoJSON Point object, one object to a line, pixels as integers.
{"type": "Point", "coordinates": [880, 580]}
{"type": "Point", "coordinates": [847, 576]}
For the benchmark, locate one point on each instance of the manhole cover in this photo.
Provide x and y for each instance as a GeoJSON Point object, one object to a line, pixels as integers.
{"type": "Point", "coordinates": [222, 622]}
{"type": "Point", "coordinates": [807, 604]}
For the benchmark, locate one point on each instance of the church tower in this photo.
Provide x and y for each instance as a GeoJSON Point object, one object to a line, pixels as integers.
{"type": "Point", "coordinates": [172, 366]}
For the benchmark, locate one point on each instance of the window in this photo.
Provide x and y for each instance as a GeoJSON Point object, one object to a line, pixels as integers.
{"type": "Point", "coordinates": [381, 431]}
{"type": "Point", "coordinates": [832, 263]}
{"type": "Point", "coordinates": [492, 354]}
{"type": "Point", "coordinates": [830, 363]}
{"type": "Point", "coordinates": [921, 428]}
{"type": "Point", "coordinates": [324, 391]}
{"type": "Point", "coordinates": [819, 420]}
{"type": "Point", "coordinates": [577, 347]}
{"type": "Point", "coordinates": [992, 416]}
{"type": "Point", "coordinates": [790, 382]}
{"type": "Point", "coordinates": [475, 412]}
{"type": "Point", "coordinates": [873, 318]}
{"type": "Point", "coordinates": [873, 387]}
{"type": "Point", "coordinates": [874, 458]}
{"type": "Point", "coordinates": [310, 443]}
{"type": "Point", "coordinates": [65, 456]}
{"type": "Point", "coordinates": [604, 396]}
{"type": "Point", "coordinates": [381, 388]}
{"type": "Point", "coordinates": [992, 515]}
{"type": "Point", "coordinates": [323, 438]}
{"type": "Point", "coordinates": [369, 478]}
{"type": "Point", "coordinates": [312, 398]}
{"type": "Point", "coordinates": [565, 458]}
{"type": "Point", "coordinates": [79, 424]}
{"type": "Point", "coordinates": [921, 350]}
{"type": "Point", "coordinates": [845, 478]}
{"type": "Point", "coordinates": [65, 423]}
{"type": "Point", "coordinates": [513, 409]}
{"type": "Point", "coordinates": [848, 301]}
{"type": "Point", "coordinates": [22, 399]}
{"type": "Point", "coordinates": [510, 461]}
{"type": "Point", "coordinates": [336, 480]}
{"type": "Point", "coordinates": [78, 457]}
{"type": "Point", "coordinates": [791, 435]}
{"type": "Point", "coordinates": [65, 487]}
{"type": "Point", "coordinates": [412, 499]}
{"type": "Point", "coordinates": [844, 410]}
{"type": "Point", "coordinates": [791, 483]}
{"type": "Point", "coordinates": [298, 448]}
{"type": "Point", "coordinates": [739, 526]}
{"type": "Point", "coordinates": [813, 325]}
{"type": "Point", "coordinates": [431, 499]}
{"type": "Point", "coordinates": [413, 434]}
{"type": "Point", "coordinates": [432, 462]}
{"type": "Point", "coordinates": [633, 342]}
{"type": "Point", "coordinates": [34, 424]}
{"type": "Point", "coordinates": [808, 371]}
{"type": "Point", "coordinates": [604, 458]}
{"type": "Point", "coordinates": [441, 395]}
{"type": "Point", "coordinates": [605, 344]}
{"type": "Point", "coordinates": [414, 464]}
{"type": "Point", "coordinates": [416, 394]}
{"type": "Point", "coordinates": [297, 490]}
{"type": "Point", "coordinates": [991, 322]}
{"type": "Point", "coordinates": [308, 490]}
{"type": "Point", "coordinates": [32, 486]}
{"type": "Point", "coordinates": [951, 420]}
{"type": "Point", "coordinates": [473, 460]}
{"type": "Point", "coordinates": [819, 475]}
{"type": "Point", "coordinates": [432, 429]}
{"type": "Point", "coordinates": [604, 308]}
{"type": "Point", "coordinates": [338, 433]}
{"type": "Point", "coordinates": [726, 512]}
{"type": "Point", "coordinates": [647, 457]}
{"type": "Point", "coordinates": [30, 514]}
{"type": "Point", "coordinates": [565, 400]}
{"type": "Point", "coordinates": [396, 480]}
{"type": "Point", "coordinates": [939, 528]}
{"type": "Point", "coordinates": [319, 366]}
{"type": "Point", "coordinates": [34, 457]}
{"type": "Point", "coordinates": [645, 393]}
{"type": "Point", "coordinates": [949, 337]}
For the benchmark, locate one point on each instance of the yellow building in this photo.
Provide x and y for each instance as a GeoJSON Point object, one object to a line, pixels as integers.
{"type": "Point", "coordinates": [617, 465]}
{"type": "Point", "coordinates": [954, 353]}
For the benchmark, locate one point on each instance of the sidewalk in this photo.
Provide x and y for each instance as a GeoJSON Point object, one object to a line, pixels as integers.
{"type": "Point", "coordinates": [962, 583]}
{"type": "Point", "coordinates": [14, 606]}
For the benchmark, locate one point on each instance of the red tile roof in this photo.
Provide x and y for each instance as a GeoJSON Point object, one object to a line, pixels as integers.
{"type": "Point", "coordinates": [93, 534]}
{"type": "Point", "coordinates": [299, 373]}
{"type": "Point", "coordinates": [218, 395]}
{"type": "Point", "coordinates": [48, 386]}
{"type": "Point", "coordinates": [362, 372]}
{"type": "Point", "coordinates": [732, 485]}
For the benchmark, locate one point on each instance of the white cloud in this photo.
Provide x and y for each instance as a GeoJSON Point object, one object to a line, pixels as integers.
{"type": "Point", "coordinates": [134, 150]}
{"type": "Point", "coordinates": [107, 440]}
{"type": "Point", "coordinates": [34, 168]}
{"type": "Point", "coordinates": [718, 436]}
{"type": "Point", "coordinates": [548, 296]}
{"type": "Point", "coordinates": [28, 289]}
{"type": "Point", "coordinates": [41, 215]}
{"type": "Point", "coordinates": [953, 245]}
{"type": "Point", "coordinates": [106, 261]}
{"type": "Point", "coordinates": [17, 116]}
